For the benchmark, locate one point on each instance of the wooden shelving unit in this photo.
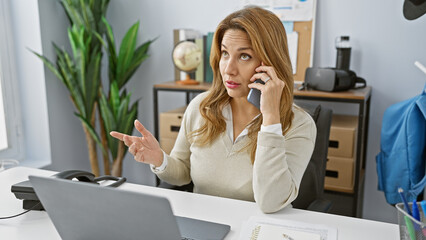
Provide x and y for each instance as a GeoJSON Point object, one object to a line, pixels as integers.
{"type": "Point", "coordinates": [360, 97]}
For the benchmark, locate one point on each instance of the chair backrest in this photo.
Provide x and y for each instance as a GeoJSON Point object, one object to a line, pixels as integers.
{"type": "Point", "coordinates": [312, 185]}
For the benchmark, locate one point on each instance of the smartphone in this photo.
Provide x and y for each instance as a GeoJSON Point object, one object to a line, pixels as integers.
{"type": "Point", "coordinates": [254, 95]}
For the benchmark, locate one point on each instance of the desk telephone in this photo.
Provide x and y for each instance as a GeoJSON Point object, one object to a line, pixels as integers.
{"type": "Point", "coordinates": [25, 191]}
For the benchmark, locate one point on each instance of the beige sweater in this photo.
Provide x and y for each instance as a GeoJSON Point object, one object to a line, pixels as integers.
{"type": "Point", "coordinates": [222, 169]}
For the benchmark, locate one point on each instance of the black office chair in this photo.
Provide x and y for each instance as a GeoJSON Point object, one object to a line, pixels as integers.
{"type": "Point", "coordinates": [311, 191]}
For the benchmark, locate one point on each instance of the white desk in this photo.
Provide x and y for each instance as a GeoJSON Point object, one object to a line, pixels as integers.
{"type": "Point", "coordinates": [37, 225]}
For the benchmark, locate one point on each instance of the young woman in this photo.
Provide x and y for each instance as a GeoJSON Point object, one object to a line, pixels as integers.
{"type": "Point", "coordinates": [226, 145]}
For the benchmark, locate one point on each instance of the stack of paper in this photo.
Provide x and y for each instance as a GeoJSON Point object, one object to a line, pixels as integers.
{"type": "Point", "coordinates": [272, 232]}
{"type": "Point", "coordinates": [260, 228]}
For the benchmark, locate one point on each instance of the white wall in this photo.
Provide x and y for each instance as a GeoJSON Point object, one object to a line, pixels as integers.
{"type": "Point", "coordinates": [385, 47]}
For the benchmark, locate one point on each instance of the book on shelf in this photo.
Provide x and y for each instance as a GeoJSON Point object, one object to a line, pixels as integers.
{"type": "Point", "coordinates": [199, 73]}
{"type": "Point", "coordinates": [207, 68]}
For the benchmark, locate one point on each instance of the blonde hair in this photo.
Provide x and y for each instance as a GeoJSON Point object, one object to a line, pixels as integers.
{"type": "Point", "coordinates": [269, 42]}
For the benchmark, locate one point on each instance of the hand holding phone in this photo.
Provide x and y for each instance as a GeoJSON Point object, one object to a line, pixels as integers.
{"type": "Point", "coordinates": [269, 95]}
{"type": "Point", "coordinates": [254, 95]}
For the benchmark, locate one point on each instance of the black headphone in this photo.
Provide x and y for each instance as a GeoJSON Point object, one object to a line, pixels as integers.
{"type": "Point", "coordinates": [414, 9]}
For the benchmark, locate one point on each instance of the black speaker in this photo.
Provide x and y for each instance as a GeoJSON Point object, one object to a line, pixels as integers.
{"type": "Point", "coordinates": [331, 79]}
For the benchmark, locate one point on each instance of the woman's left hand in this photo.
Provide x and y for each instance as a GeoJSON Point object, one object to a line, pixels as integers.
{"type": "Point", "coordinates": [271, 93]}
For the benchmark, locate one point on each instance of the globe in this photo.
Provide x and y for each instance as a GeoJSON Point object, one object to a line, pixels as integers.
{"type": "Point", "coordinates": [186, 57]}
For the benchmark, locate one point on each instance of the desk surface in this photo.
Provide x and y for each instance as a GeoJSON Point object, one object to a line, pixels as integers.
{"type": "Point", "coordinates": [356, 94]}
{"type": "Point", "coordinates": [37, 225]}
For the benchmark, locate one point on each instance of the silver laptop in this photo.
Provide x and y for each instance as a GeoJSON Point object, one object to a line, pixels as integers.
{"type": "Point", "coordinates": [89, 211]}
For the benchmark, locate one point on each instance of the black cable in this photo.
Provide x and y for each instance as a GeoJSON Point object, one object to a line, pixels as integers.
{"type": "Point", "coordinates": [118, 180]}
{"type": "Point", "coordinates": [22, 213]}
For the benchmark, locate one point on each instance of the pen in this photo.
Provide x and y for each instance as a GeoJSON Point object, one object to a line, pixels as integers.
{"type": "Point", "coordinates": [401, 193]}
{"type": "Point", "coordinates": [410, 228]}
{"type": "Point", "coordinates": [423, 204]}
{"type": "Point", "coordinates": [287, 237]}
{"type": "Point", "coordinates": [416, 213]}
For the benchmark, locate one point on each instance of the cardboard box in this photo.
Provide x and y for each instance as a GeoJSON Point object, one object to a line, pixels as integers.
{"type": "Point", "coordinates": [340, 174]}
{"type": "Point", "coordinates": [167, 144]}
{"type": "Point", "coordinates": [170, 122]}
{"type": "Point", "coordinates": [343, 134]}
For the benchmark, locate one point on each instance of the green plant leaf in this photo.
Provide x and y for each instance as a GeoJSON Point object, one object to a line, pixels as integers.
{"type": "Point", "coordinates": [143, 49]}
{"type": "Point", "coordinates": [72, 13]}
{"type": "Point", "coordinates": [107, 114]}
{"type": "Point", "coordinates": [73, 39]}
{"type": "Point", "coordinates": [65, 5]}
{"type": "Point", "coordinates": [128, 125]}
{"type": "Point", "coordinates": [124, 105]}
{"type": "Point", "coordinates": [62, 67]}
{"type": "Point", "coordinates": [100, 39]}
{"type": "Point", "coordinates": [50, 66]}
{"type": "Point", "coordinates": [87, 15]}
{"type": "Point", "coordinates": [112, 56]}
{"type": "Point", "coordinates": [114, 97]}
{"type": "Point", "coordinates": [109, 123]}
{"type": "Point", "coordinates": [126, 53]}
{"type": "Point", "coordinates": [109, 33]}
{"type": "Point", "coordinates": [80, 69]}
{"type": "Point", "coordinates": [93, 80]}
{"type": "Point", "coordinates": [67, 70]}
{"type": "Point", "coordinates": [132, 68]}
{"type": "Point", "coordinates": [76, 38]}
{"type": "Point", "coordinates": [91, 131]}
{"type": "Point", "coordinates": [99, 10]}
{"type": "Point", "coordinates": [139, 56]}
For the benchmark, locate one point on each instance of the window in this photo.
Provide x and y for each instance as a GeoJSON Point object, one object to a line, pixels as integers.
{"type": "Point", "coordinates": [3, 135]}
{"type": "Point", "coordinates": [11, 144]}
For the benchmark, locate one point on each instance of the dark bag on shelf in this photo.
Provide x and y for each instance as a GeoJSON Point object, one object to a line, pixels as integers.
{"type": "Point", "coordinates": [332, 79]}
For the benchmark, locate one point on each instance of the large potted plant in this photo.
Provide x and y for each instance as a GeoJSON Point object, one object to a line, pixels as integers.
{"type": "Point", "coordinates": [80, 72]}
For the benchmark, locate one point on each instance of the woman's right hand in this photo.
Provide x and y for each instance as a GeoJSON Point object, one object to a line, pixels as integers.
{"type": "Point", "coordinates": [145, 149]}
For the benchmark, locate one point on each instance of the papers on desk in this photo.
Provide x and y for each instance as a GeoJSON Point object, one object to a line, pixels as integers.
{"type": "Point", "coordinates": [272, 232]}
{"type": "Point", "coordinates": [261, 228]}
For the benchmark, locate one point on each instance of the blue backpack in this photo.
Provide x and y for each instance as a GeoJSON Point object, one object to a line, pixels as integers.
{"type": "Point", "coordinates": [401, 161]}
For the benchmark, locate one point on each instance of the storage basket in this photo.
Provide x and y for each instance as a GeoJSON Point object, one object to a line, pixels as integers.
{"type": "Point", "coordinates": [409, 227]}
